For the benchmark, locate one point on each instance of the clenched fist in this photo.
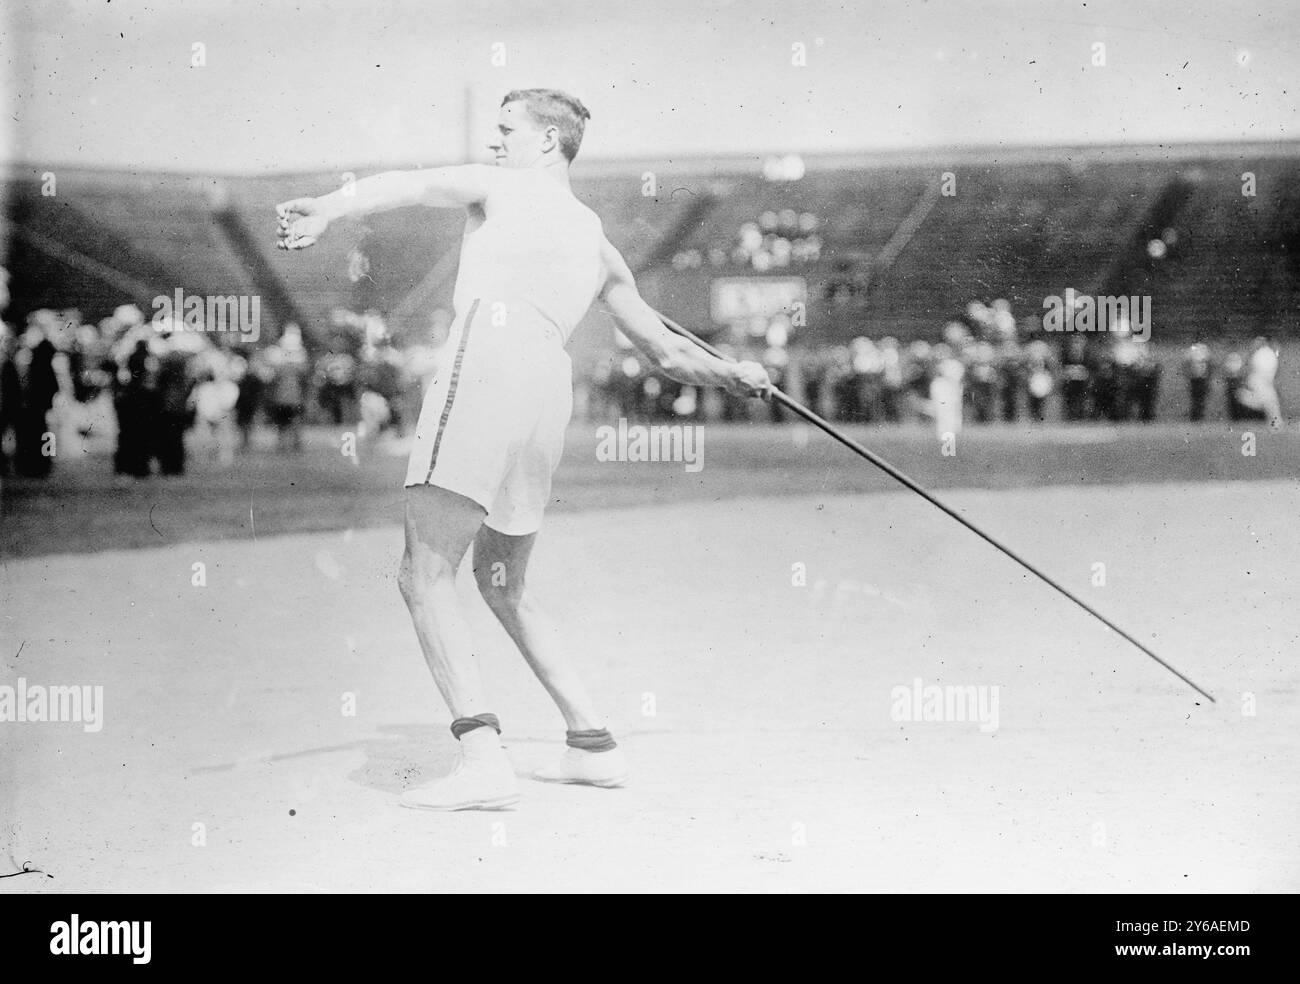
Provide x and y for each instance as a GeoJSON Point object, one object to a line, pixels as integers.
{"type": "Point", "coordinates": [749, 379]}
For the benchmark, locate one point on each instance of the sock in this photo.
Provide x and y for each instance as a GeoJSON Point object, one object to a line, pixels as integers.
{"type": "Point", "coordinates": [596, 740]}
{"type": "Point", "coordinates": [461, 725]}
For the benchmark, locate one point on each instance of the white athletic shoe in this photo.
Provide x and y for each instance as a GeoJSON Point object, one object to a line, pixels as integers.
{"type": "Point", "coordinates": [482, 780]}
{"type": "Point", "coordinates": [605, 769]}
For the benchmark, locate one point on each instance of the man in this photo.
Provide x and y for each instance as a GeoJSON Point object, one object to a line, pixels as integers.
{"type": "Point", "coordinates": [286, 394]}
{"type": "Point", "coordinates": [1076, 377]}
{"type": "Point", "coordinates": [40, 384]}
{"type": "Point", "coordinates": [173, 384]}
{"type": "Point", "coordinates": [1198, 369]}
{"type": "Point", "coordinates": [134, 398]}
{"type": "Point", "coordinates": [491, 431]}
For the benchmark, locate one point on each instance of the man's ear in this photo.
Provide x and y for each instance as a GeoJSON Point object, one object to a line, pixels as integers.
{"type": "Point", "coordinates": [551, 139]}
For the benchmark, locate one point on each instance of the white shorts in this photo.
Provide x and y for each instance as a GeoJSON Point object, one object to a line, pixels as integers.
{"type": "Point", "coordinates": [493, 420]}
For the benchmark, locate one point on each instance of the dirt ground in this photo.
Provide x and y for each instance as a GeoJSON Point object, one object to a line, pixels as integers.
{"type": "Point", "coordinates": [757, 712]}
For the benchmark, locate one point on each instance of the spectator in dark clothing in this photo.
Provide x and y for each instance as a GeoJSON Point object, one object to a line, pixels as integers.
{"type": "Point", "coordinates": [286, 396]}
{"type": "Point", "coordinates": [133, 399]}
{"type": "Point", "coordinates": [34, 457]}
{"type": "Point", "coordinates": [1234, 370]}
{"type": "Point", "coordinates": [813, 369]}
{"type": "Point", "coordinates": [174, 414]}
{"type": "Point", "coordinates": [251, 388]}
{"type": "Point", "coordinates": [1106, 389]}
{"type": "Point", "coordinates": [844, 386]}
{"type": "Point", "coordinates": [337, 394]}
{"type": "Point", "coordinates": [1076, 375]}
{"type": "Point", "coordinates": [1146, 384]}
{"type": "Point", "coordinates": [1198, 369]}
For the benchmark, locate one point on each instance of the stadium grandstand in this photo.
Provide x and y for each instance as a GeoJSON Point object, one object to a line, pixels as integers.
{"type": "Point", "coordinates": [826, 249]}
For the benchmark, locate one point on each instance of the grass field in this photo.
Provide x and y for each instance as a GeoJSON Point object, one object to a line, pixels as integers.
{"type": "Point", "coordinates": [758, 713]}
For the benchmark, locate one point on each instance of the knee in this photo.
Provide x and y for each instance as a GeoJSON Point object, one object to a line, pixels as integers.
{"type": "Point", "coordinates": [417, 573]}
{"type": "Point", "coordinates": [497, 589]}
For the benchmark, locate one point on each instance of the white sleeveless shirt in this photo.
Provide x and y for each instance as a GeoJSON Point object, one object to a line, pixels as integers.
{"type": "Point", "coordinates": [532, 241]}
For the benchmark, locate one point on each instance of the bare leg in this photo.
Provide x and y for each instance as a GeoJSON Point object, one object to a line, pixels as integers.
{"type": "Point", "coordinates": [439, 528]}
{"type": "Point", "coordinates": [500, 568]}
{"type": "Point", "coordinates": [440, 525]}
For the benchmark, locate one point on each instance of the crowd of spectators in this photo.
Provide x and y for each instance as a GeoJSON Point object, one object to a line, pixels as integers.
{"type": "Point", "coordinates": [980, 369]}
{"type": "Point", "coordinates": [151, 383]}
{"type": "Point", "coordinates": [770, 241]}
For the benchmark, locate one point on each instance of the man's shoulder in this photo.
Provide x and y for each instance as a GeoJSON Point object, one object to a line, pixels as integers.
{"type": "Point", "coordinates": [593, 217]}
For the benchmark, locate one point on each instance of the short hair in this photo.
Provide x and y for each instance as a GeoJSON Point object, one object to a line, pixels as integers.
{"type": "Point", "coordinates": [551, 107]}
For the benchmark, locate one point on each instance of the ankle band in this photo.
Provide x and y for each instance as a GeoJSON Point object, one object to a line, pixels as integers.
{"type": "Point", "coordinates": [596, 740]}
{"type": "Point", "coordinates": [462, 725]}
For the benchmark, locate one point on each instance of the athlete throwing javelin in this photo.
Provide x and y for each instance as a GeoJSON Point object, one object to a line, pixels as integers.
{"type": "Point", "coordinates": [491, 431]}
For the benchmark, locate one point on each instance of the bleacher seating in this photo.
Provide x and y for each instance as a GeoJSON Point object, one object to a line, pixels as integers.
{"type": "Point", "coordinates": [1017, 228]}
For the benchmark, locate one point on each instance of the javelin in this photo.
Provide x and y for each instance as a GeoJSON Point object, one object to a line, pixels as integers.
{"type": "Point", "coordinates": [812, 418]}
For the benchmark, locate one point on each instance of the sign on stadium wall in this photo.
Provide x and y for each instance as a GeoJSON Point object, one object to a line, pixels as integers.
{"type": "Point", "coordinates": [734, 299]}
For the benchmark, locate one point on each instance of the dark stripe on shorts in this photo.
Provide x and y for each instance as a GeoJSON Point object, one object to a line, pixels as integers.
{"type": "Point", "coordinates": [451, 388]}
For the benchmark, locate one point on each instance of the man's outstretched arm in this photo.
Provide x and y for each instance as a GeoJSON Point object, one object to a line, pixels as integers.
{"type": "Point", "coordinates": [302, 220]}
{"type": "Point", "coordinates": [674, 356]}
